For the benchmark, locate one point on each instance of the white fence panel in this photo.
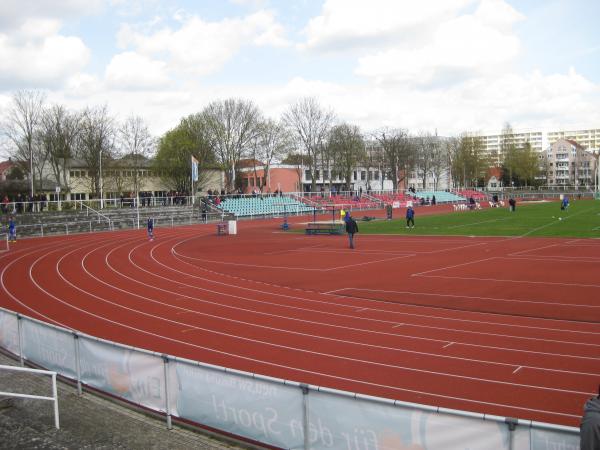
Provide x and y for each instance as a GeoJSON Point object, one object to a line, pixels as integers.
{"type": "Point", "coordinates": [260, 410]}
{"type": "Point", "coordinates": [9, 332]}
{"type": "Point", "coordinates": [49, 347]}
{"type": "Point", "coordinates": [542, 439]}
{"type": "Point", "coordinates": [134, 376]}
{"type": "Point", "coordinates": [342, 422]}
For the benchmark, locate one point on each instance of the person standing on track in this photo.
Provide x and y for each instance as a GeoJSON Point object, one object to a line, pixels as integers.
{"type": "Point", "coordinates": [410, 217]}
{"type": "Point", "coordinates": [12, 230]}
{"type": "Point", "coordinates": [351, 228]}
{"type": "Point", "coordinates": [590, 424]}
{"type": "Point", "coordinates": [150, 228]}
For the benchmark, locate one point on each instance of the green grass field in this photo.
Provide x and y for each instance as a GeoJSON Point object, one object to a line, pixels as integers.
{"type": "Point", "coordinates": [535, 219]}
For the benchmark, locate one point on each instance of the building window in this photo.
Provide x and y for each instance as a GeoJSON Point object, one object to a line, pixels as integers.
{"type": "Point", "coordinates": [363, 175]}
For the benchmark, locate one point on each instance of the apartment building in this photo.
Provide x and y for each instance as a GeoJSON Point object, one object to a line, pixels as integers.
{"type": "Point", "coordinates": [568, 163]}
{"type": "Point", "coordinates": [492, 143]}
{"type": "Point", "coordinates": [539, 140]}
{"type": "Point", "coordinates": [589, 139]}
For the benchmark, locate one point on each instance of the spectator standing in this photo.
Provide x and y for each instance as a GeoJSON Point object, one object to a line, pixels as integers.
{"type": "Point", "coordinates": [512, 203]}
{"type": "Point", "coordinates": [410, 217]}
{"type": "Point", "coordinates": [590, 424]}
{"type": "Point", "coordinates": [351, 228]}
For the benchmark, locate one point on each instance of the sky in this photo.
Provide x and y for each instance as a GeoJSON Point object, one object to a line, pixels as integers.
{"type": "Point", "coordinates": [445, 66]}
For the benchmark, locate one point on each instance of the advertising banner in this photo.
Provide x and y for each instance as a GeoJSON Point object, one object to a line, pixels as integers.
{"type": "Point", "coordinates": [9, 332]}
{"type": "Point", "coordinates": [344, 423]}
{"type": "Point", "coordinates": [49, 347]}
{"type": "Point", "coordinates": [259, 410]}
{"type": "Point", "coordinates": [134, 376]}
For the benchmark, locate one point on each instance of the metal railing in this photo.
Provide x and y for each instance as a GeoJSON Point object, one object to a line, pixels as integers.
{"type": "Point", "coordinates": [54, 397]}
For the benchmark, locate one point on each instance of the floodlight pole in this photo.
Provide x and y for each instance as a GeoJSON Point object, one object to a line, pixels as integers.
{"type": "Point", "coordinates": [100, 179]}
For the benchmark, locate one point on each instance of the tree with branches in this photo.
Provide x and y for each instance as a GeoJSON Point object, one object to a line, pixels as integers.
{"type": "Point", "coordinates": [231, 127]}
{"type": "Point", "coordinates": [310, 124]}
{"type": "Point", "coordinates": [21, 126]}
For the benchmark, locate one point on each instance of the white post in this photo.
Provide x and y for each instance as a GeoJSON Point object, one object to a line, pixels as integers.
{"type": "Point", "coordinates": [55, 395]}
{"type": "Point", "coordinates": [20, 336]}
{"type": "Point", "coordinates": [77, 363]}
{"type": "Point", "coordinates": [167, 405]}
{"type": "Point", "coordinates": [100, 182]}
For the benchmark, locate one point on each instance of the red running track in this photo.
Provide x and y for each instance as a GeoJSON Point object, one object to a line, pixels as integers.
{"type": "Point", "coordinates": [505, 326]}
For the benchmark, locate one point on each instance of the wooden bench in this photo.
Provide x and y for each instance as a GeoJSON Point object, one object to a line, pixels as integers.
{"type": "Point", "coordinates": [324, 228]}
{"type": "Point", "coordinates": [221, 228]}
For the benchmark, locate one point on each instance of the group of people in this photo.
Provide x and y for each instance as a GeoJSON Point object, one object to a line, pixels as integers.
{"type": "Point", "coordinates": [21, 203]}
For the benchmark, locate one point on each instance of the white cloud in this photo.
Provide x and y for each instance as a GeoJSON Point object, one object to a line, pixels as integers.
{"type": "Point", "coordinates": [13, 13]}
{"type": "Point", "coordinates": [36, 54]}
{"type": "Point", "coordinates": [347, 24]}
{"type": "Point", "coordinates": [201, 47]}
{"type": "Point", "coordinates": [130, 70]}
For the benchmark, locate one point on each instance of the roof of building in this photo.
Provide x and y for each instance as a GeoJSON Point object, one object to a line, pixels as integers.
{"type": "Point", "coordinates": [6, 165]}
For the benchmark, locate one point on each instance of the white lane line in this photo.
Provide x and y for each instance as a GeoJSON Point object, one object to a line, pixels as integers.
{"type": "Point", "coordinates": [517, 369]}
{"type": "Point", "coordinates": [509, 280]}
{"type": "Point", "coordinates": [477, 261]}
{"type": "Point", "coordinates": [448, 345]}
{"type": "Point", "coordinates": [470, 297]}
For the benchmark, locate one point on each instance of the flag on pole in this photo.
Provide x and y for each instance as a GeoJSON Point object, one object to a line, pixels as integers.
{"type": "Point", "coordinates": [194, 169]}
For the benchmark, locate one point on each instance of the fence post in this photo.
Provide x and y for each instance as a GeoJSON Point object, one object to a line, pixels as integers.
{"type": "Point", "coordinates": [42, 228]}
{"type": "Point", "coordinates": [77, 363]}
{"type": "Point", "coordinates": [305, 420]}
{"type": "Point", "coordinates": [66, 228]}
{"type": "Point", "coordinates": [512, 425]}
{"type": "Point", "coordinates": [167, 403]}
{"type": "Point", "coordinates": [20, 337]}
{"type": "Point", "coordinates": [55, 395]}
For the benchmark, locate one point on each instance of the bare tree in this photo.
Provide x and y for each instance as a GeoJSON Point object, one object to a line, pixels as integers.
{"type": "Point", "coordinates": [21, 125]}
{"type": "Point", "coordinates": [310, 124]}
{"type": "Point", "coordinates": [348, 146]}
{"type": "Point", "coordinates": [59, 134]}
{"type": "Point", "coordinates": [431, 158]}
{"type": "Point", "coordinates": [136, 145]}
{"type": "Point", "coordinates": [398, 153]}
{"type": "Point", "coordinates": [96, 144]}
{"type": "Point", "coordinates": [272, 143]}
{"type": "Point", "coordinates": [231, 126]}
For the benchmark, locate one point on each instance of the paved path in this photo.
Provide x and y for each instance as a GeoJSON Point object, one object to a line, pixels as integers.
{"type": "Point", "coordinates": [86, 422]}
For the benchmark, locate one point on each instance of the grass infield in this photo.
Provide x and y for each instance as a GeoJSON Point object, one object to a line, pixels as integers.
{"type": "Point", "coordinates": [582, 219]}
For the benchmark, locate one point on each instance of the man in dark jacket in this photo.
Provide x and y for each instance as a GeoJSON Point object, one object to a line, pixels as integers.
{"type": "Point", "coordinates": [351, 228]}
{"type": "Point", "coordinates": [590, 424]}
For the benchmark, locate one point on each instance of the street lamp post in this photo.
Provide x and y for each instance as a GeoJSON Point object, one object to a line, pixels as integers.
{"type": "Point", "coordinates": [100, 180]}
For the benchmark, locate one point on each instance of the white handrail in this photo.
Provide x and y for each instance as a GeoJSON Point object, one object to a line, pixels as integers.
{"type": "Point", "coordinates": [54, 397]}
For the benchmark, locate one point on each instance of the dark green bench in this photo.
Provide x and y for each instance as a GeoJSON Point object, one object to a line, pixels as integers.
{"type": "Point", "coordinates": [324, 228]}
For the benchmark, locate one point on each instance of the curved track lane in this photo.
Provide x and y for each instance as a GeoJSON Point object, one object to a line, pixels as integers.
{"type": "Point", "coordinates": [436, 331]}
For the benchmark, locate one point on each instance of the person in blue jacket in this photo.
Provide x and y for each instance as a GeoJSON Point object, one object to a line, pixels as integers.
{"type": "Point", "coordinates": [565, 203]}
{"type": "Point", "coordinates": [410, 217]}
{"type": "Point", "coordinates": [12, 230]}
{"type": "Point", "coordinates": [150, 228]}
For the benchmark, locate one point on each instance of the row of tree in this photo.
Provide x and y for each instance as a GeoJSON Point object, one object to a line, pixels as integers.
{"type": "Point", "coordinates": [227, 131]}
{"type": "Point", "coordinates": [43, 139]}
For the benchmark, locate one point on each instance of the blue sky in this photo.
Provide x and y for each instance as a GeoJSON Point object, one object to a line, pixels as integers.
{"type": "Point", "coordinates": [446, 65]}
